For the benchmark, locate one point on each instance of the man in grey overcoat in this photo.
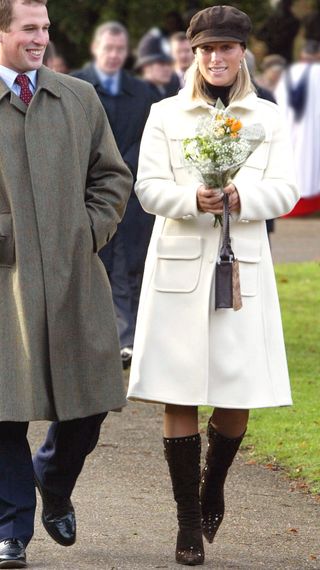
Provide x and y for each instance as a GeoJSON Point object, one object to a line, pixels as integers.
{"type": "Point", "coordinates": [63, 191]}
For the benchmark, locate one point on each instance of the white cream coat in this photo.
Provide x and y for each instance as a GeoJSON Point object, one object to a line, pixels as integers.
{"type": "Point", "coordinates": [185, 352]}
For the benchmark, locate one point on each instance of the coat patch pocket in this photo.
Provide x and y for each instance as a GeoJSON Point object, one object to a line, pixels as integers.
{"type": "Point", "coordinates": [178, 264]}
{"type": "Point", "coordinates": [248, 252]}
{"type": "Point", "coordinates": [7, 249]}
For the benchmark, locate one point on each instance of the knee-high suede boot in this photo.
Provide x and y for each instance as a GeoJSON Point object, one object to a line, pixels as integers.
{"type": "Point", "coordinates": [220, 455]}
{"type": "Point", "coordinates": [183, 457]}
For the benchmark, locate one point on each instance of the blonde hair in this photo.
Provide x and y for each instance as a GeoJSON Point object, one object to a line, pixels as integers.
{"type": "Point", "coordinates": [197, 84]}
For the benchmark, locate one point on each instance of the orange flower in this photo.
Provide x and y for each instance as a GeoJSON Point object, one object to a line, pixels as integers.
{"type": "Point", "coordinates": [236, 126]}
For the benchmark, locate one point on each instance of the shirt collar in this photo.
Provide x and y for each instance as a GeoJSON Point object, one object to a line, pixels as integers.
{"type": "Point", "coordinates": [102, 76]}
{"type": "Point", "coordinates": [9, 76]}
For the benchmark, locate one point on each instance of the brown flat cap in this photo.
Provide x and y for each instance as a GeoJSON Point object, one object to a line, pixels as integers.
{"type": "Point", "coordinates": [219, 23]}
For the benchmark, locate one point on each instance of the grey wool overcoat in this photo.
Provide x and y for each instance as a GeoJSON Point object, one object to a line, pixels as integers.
{"type": "Point", "coordinates": [63, 190]}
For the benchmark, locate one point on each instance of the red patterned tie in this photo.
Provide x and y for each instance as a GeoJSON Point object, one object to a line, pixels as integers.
{"type": "Point", "coordinates": [25, 93]}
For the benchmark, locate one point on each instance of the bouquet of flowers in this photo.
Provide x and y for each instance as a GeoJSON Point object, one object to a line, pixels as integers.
{"type": "Point", "coordinates": [221, 146]}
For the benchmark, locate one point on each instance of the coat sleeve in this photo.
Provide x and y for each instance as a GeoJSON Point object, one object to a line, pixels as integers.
{"type": "Point", "coordinates": [276, 193]}
{"type": "Point", "coordinates": [156, 187]}
{"type": "Point", "coordinates": [109, 180]}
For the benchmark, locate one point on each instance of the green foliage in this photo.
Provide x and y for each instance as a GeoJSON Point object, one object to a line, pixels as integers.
{"type": "Point", "coordinates": [289, 436]}
{"type": "Point", "coordinates": [73, 24]}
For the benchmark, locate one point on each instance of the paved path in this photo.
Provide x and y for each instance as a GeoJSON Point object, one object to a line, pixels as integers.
{"type": "Point", "coordinates": [296, 239]}
{"type": "Point", "coordinates": [126, 517]}
{"type": "Point", "coordinates": [125, 512]}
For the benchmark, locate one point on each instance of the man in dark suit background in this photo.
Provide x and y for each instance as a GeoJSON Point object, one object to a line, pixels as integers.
{"type": "Point", "coordinates": [127, 102]}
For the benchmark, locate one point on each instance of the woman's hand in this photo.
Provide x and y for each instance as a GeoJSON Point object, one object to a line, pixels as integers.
{"type": "Point", "coordinates": [234, 198]}
{"type": "Point", "coordinates": [210, 200]}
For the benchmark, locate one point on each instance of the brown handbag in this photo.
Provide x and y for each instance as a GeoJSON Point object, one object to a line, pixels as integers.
{"type": "Point", "coordinates": [227, 279]}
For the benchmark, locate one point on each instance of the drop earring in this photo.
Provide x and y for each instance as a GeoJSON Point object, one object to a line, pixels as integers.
{"type": "Point", "coordinates": [240, 65]}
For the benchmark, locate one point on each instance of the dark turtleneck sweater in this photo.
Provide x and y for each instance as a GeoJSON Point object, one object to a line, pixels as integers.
{"type": "Point", "coordinates": [215, 92]}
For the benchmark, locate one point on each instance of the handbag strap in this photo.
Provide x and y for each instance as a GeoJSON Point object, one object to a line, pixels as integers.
{"type": "Point", "coordinates": [226, 253]}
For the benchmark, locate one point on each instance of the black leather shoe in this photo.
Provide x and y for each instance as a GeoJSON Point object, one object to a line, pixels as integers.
{"type": "Point", "coordinates": [126, 357]}
{"type": "Point", "coordinates": [12, 554]}
{"type": "Point", "coordinates": [58, 516]}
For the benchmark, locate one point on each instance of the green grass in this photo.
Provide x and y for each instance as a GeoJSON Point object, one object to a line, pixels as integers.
{"type": "Point", "coordinates": [290, 437]}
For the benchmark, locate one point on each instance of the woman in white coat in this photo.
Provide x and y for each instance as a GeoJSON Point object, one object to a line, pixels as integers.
{"type": "Point", "coordinates": [187, 354]}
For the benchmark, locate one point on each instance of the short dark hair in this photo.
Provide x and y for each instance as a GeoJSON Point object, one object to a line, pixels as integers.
{"type": "Point", "coordinates": [6, 11]}
{"type": "Point", "coordinates": [114, 28]}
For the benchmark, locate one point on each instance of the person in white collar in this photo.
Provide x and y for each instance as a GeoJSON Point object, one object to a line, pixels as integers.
{"type": "Point", "coordinates": [186, 353]}
{"type": "Point", "coordinates": [63, 191]}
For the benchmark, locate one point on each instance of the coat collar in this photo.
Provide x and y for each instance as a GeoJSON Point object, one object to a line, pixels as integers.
{"type": "Point", "coordinates": [48, 80]}
{"type": "Point", "coordinates": [4, 89]}
{"type": "Point", "coordinates": [248, 103]}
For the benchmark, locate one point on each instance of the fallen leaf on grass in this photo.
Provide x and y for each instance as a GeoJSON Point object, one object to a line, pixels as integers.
{"type": "Point", "coordinates": [272, 466]}
{"type": "Point", "coordinates": [313, 557]}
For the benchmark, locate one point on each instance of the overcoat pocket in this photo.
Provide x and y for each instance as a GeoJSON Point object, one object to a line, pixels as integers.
{"type": "Point", "coordinates": [7, 249]}
{"type": "Point", "coordinates": [178, 264]}
{"type": "Point", "coordinates": [248, 253]}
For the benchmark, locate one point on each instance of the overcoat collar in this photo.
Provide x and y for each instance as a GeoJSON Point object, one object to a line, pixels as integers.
{"type": "Point", "coordinates": [48, 80]}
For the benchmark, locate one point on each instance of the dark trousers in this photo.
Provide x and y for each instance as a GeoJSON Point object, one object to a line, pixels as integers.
{"type": "Point", "coordinates": [123, 291]}
{"type": "Point", "coordinates": [57, 464]}
{"type": "Point", "coordinates": [124, 258]}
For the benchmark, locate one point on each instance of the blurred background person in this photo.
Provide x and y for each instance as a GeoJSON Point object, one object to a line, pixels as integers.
{"type": "Point", "coordinates": [155, 65]}
{"type": "Point", "coordinates": [59, 64]}
{"type": "Point", "coordinates": [49, 54]}
{"type": "Point", "coordinates": [127, 102]}
{"type": "Point", "coordinates": [311, 23]}
{"type": "Point", "coordinates": [279, 30]}
{"type": "Point", "coordinates": [53, 60]}
{"type": "Point", "coordinates": [272, 67]}
{"type": "Point", "coordinates": [263, 93]}
{"type": "Point", "coordinates": [182, 55]}
{"type": "Point", "coordinates": [172, 23]}
{"type": "Point", "coordinates": [298, 97]}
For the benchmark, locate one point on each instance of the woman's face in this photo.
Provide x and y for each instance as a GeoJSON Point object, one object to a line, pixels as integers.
{"type": "Point", "coordinates": [219, 62]}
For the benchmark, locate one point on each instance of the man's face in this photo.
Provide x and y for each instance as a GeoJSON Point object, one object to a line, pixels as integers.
{"type": "Point", "coordinates": [110, 52]}
{"type": "Point", "coordinates": [158, 73]}
{"type": "Point", "coordinates": [182, 54]}
{"type": "Point", "coordinates": [22, 47]}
